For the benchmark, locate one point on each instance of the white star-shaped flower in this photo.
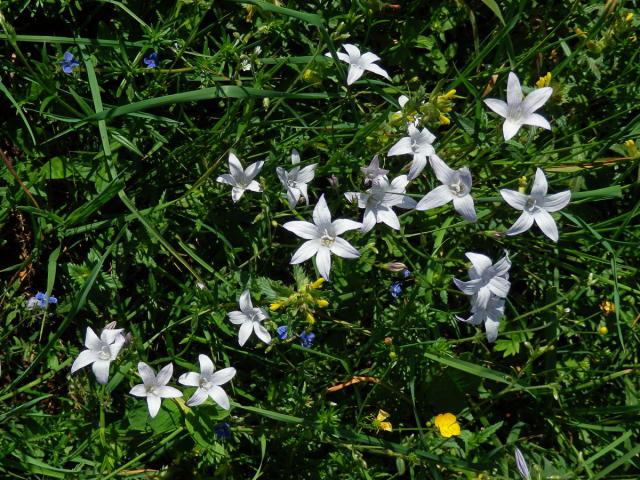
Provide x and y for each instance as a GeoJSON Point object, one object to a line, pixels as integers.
{"type": "Point", "coordinates": [373, 171]}
{"type": "Point", "coordinates": [250, 320]}
{"type": "Point", "coordinates": [241, 179]}
{"type": "Point", "coordinates": [358, 63]}
{"type": "Point", "coordinates": [518, 110]}
{"type": "Point", "coordinates": [536, 207]}
{"type": "Point", "coordinates": [295, 181]}
{"type": "Point", "coordinates": [323, 238]}
{"type": "Point", "coordinates": [155, 388]}
{"type": "Point", "coordinates": [100, 352]}
{"type": "Point", "coordinates": [208, 382]}
{"type": "Point", "coordinates": [418, 144]}
{"type": "Point", "coordinates": [490, 315]}
{"type": "Point", "coordinates": [456, 187]}
{"type": "Point", "coordinates": [486, 279]}
{"type": "Point", "coordinates": [379, 200]}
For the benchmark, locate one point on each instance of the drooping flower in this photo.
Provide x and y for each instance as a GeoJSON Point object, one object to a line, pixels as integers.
{"type": "Point", "coordinates": [518, 110]}
{"type": "Point", "coordinates": [307, 339]}
{"type": "Point", "coordinates": [379, 201]}
{"type": "Point", "coordinates": [69, 64]}
{"type": "Point", "coordinates": [358, 63]}
{"type": "Point", "coordinates": [486, 279]}
{"type": "Point", "coordinates": [322, 238]}
{"type": "Point", "coordinates": [448, 424]}
{"type": "Point", "coordinates": [208, 382]}
{"type": "Point", "coordinates": [536, 207]}
{"type": "Point", "coordinates": [152, 60]}
{"type": "Point", "coordinates": [490, 316]}
{"type": "Point", "coordinates": [521, 463]}
{"type": "Point", "coordinates": [456, 187]}
{"type": "Point", "coordinates": [153, 387]}
{"type": "Point", "coordinates": [250, 320]}
{"type": "Point", "coordinates": [295, 181]}
{"type": "Point", "coordinates": [418, 144]}
{"type": "Point", "coordinates": [241, 179]}
{"type": "Point", "coordinates": [373, 171]}
{"type": "Point", "coordinates": [396, 289]}
{"type": "Point", "coordinates": [100, 352]}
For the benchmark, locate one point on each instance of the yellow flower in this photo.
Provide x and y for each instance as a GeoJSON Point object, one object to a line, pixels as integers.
{"type": "Point", "coordinates": [544, 81]}
{"type": "Point", "coordinates": [447, 424]}
{"type": "Point", "coordinates": [629, 17]}
{"type": "Point", "coordinates": [310, 319]}
{"type": "Point", "coordinates": [631, 148]}
{"type": "Point", "coordinates": [444, 120]}
{"type": "Point", "coordinates": [317, 284]}
{"type": "Point", "coordinates": [379, 422]}
{"type": "Point", "coordinates": [322, 303]}
{"type": "Point", "coordinates": [607, 307]}
{"type": "Point", "coordinates": [275, 306]}
{"type": "Point", "coordinates": [603, 330]}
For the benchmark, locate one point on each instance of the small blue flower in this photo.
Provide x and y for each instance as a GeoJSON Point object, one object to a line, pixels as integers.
{"type": "Point", "coordinates": [40, 300]}
{"type": "Point", "coordinates": [222, 431]}
{"type": "Point", "coordinates": [151, 61]}
{"type": "Point", "coordinates": [406, 273]}
{"type": "Point", "coordinates": [307, 339]}
{"type": "Point", "coordinates": [396, 289]}
{"type": "Point", "coordinates": [282, 330]}
{"type": "Point", "coordinates": [69, 64]}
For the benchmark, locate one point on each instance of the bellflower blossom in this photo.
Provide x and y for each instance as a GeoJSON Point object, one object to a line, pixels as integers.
{"type": "Point", "coordinates": [358, 63]}
{"type": "Point", "coordinates": [373, 171]}
{"type": "Point", "coordinates": [521, 463]}
{"type": "Point", "coordinates": [418, 144]}
{"type": "Point", "coordinates": [69, 64]}
{"type": "Point", "coordinates": [241, 179]}
{"type": "Point", "coordinates": [322, 238]}
{"type": "Point", "coordinates": [155, 388]}
{"type": "Point", "coordinates": [250, 320]}
{"type": "Point", "coordinates": [379, 200]}
{"type": "Point", "coordinates": [208, 383]}
{"type": "Point", "coordinates": [295, 181]}
{"type": "Point", "coordinates": [490, 315]}
{"type": "Point", "coordinates": [100, 352]}
{"type": "Point", "coordinates": [456, 187]}
{"type": "Point", "coordinates": [536, 207]}
{"type": "Point", "coordinates": [518, 110]}
{"type": "Point", "coordinates": [486, 279]}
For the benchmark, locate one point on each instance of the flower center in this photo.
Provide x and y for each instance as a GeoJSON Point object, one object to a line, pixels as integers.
{"type": "Point", "coordinates": [152, 390]}
{"type": "Point", "coordinates": [291, 184]}
{"type": "Point", "coordinates": [205, 384]}
{"type": "Point", "coordinates": [326, 239]}
{"type": "Point", "coordinates": [458, 188]}
{"type": "Point", "coordinates": [105, 353]}
{"type": "Point", "coordinates": [514, 112]}
{"type": "Point", "coordinates": [531, 205]}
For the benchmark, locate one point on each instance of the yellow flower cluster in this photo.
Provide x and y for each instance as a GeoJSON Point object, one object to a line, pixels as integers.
{"type": "Point", "coordinates": [303, 300]}
{"type": "Point", "coordinates": [444, 104]}
{"type": "Point", "coordinates": [544, 81]}
{"type": "Point", "coordinates": [448, 425]}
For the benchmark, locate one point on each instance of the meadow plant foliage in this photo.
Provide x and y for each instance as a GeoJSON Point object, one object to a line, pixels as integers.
{"type": "Point", "coordinates": [355, 297]}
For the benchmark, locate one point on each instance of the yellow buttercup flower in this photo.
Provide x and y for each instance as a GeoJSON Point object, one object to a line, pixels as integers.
{"type": "Point", "coordinates": [380, 423]}
{"type": "Point", "coordinates": [607, 307]}
{"type": "Point", "coordinates": [447, 424]}
{"type": "Point", "coordinates": [603, 330]}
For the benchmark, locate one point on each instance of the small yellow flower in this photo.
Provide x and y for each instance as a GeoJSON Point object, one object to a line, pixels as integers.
{"type": "Point", "coordinates": [631, 148]}
{"type": "Point", "coordinates": [629, 17]}
{"type": "Point", "coordinates": [603, 330]}
{"type": "Point", "coordinates": [450, 93]}
{"type": "Point", "coordinates": [275, 306]}
{"type": "Point", "coordinates": [607, 307]}
{"type": "Point", "coordinates": [544, 81]}
{"type": "Point", "coordinates": [444, 120]}
{"type": "Point", "coordinates": [310, 319]}
{"type": "Point", "coordinates": [322, 303]}
{"type": "Point", "coordinates": [447, 424]}
{"type": "Point", "coordinates": [317, 284]}
{"type": "Point", "coordinates": [379, 422]}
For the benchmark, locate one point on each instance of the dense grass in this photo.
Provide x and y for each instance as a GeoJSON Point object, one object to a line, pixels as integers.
{"type": "Point", "coordinates": [109, 202]}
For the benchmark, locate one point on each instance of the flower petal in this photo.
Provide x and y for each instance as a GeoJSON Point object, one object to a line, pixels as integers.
{"type": "Point", "coordinates": [497, 106]}
{"type": "Point", "coordinates": [479, 261]}
{"type": "Point", "coordinates": [253, 186]}
{"type": "Point", "coordinates": [146, 373]}
{"type": "Point", "coordinates": [510, 128]}
{"type": "Point", "coordinates": [546, 223]}
{"type": "Point", "coordinates": [355, 72]}
{"type": "Point", "coordinates": [236, 193]}
{"type": "Point", "coordinates": [253, 169]}
{"type": "Point", "coordinates": [306, 230]}
{"type": "Point", "coordinates": [524, 222]}
{"type": "Point", "coordinates": [307, 250]}
{"type": "Point", "coordinates": [164, 375]}
{"type": "Point", "coordinates": [168, 392]}
{"type": "Point", "coordinates": [342, 225]}
{"type": "Point", "coordinates": [491, 328]}
{"type": "Point", "coordinates": [369, 221]}
{"type": "Point", "coordinates": [206, 365]}
{"type": "Point", "coordinates": [499, 286]}
{"type": "Point", "coordinates": [101, 371]}
{"type": "Point", "coordinates": [261, 332]}
{"type": "Point", "coordinates": [539, 187]}
{"type": "Point", "coordinates": [138, 391]}
{"type": "Point", "coordinates": [369, 57]}
{"type": "Point", "coordinates": [190, 379]}
{"type": "Point", "coordinates": [435, 198]}
{"type": "Point", "coordinates": [245, 302]}
{"type": "Point", "coordinates": [244, 333]}
{"type": "Point", "coordinates": [235, 166]}
{"type": "Point", "coordinates": [516, 199]}
{"type": "Point", "coordinates": [378, 70]}
{"type": "Point", "coordinates": [557, 201]}
{"type": "Point", "coordinates": [464, 206]}
{"type": "Point", "coordinates": [482, 298]}
{"type": "Point", "coordinates": [417, 165]}
{"type": "Point", "coordinates": [389, 217]}
{"type": "Point", "coordinates": [223, 375]}
{"type": "Point", "coordinates": [468, 288]}
{"type": "Point", "coordinates": [402, 147]}
{"type": "Point", "coordinates": [85, 358]}
{"type": "Point", "coordinates": [198, 397]}
{"type": "Point", "coordinates": [514, 90]}
{"type": "Point", "coordinates": [323, 262]}
{"type": "Point", "coordinates": [537, 121]}
{"type": "Point", "coordinates": [153, 404]}
{"type": "Point", "coordinates": [536, 99]}
{"type": "Point", "coordinates": [282, 176]}
{"type": "Point", "coordinates": [321, 213]}
{"type": "Point", "coordinates": [227, 179]}
{"type": "Point", "coordinates": [352, 50]}
{"type": "Point", "coordinates": [237, 317]}
{"type": "Point", "coordinates": [219, 396]}
{"type": "Point", "coordinates": [307, 173]}
{"type": "Point", "coordinates": [443, 172]}
{"type": "Point", "coordinates": [91, 340]}
{"type": "Point", "coordinates": [344, 249]}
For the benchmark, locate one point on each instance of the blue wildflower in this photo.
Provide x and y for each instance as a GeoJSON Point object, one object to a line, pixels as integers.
{"type": "Point", "coordinates": [69, 64]}
{"type": "Point", "coordinates": [151, 61]}
{"type": "Point", "coordinates": [282, 330]}
{"type": "Point", "coordinates": [222, 431]}
{"type": "Point", "coordinates": [396, 289]}
{"type": "Point", "coordinates": [41, 300]}
{"type": "Point", "coordinates": [406, 273]}
{"type": "Point", "coordinates": [307, 339]}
